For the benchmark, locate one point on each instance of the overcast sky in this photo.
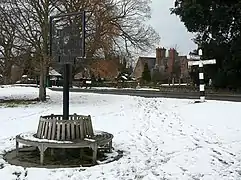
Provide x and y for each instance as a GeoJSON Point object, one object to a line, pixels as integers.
{"type": "Point", "coordinates": [169, 27]}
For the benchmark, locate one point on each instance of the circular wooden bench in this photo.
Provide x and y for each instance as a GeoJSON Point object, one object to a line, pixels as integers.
{"type": "Point", "coordinates": [77, 132]}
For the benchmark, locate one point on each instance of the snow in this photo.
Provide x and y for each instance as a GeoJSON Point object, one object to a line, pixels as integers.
{"type": "Point", "coordinates": [91, 140]}
{"type": "Point", "coordinates": [183, 84]}
{"type": "Point", "coordinates": [11, 92]}
{"type": "Point", "coordinates": [112, 88]}
{"type": "Point", "coordinates": [30, 136]}
{"type": "Point", "coordinates": [161, 138]}
{"type": "Point", "coordinates": [25, 85]}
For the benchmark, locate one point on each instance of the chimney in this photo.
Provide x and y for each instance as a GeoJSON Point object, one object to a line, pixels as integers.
{"type": "Point", "coordinates": [160, 54]}
{"type": "Point", "coordinates": [172, 56]}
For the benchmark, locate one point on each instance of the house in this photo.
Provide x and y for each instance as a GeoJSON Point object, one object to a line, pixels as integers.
{"type": "Point", "coordinates": [150, 61]}
{"type": "Point", "coordinates": [54, 75]}
{"type": "Point", "coordinates": [164, 66]}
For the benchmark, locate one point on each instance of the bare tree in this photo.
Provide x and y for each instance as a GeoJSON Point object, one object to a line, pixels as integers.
{"type": "Point", "coordinates": [115, 27]}
{"type": "Point", "coordinates": [10, 50]}
{"type": "Point", "coordinates": [99, 30]}
{"type": "Point", "coordinates": [32, 27]}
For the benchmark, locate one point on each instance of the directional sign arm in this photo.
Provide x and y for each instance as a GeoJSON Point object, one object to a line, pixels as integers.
{"type": "Point", "coordinates": [196, 63]}
{"type": "Point", "coordinates": [210, 61]}
{"type": "Point", "coordinates": [193, 63]}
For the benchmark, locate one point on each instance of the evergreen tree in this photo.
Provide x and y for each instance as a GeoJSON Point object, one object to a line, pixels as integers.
{"type": "Point", "coordinates": [217, 27]}
{"type": "Point", "coordinates": [146, 74]}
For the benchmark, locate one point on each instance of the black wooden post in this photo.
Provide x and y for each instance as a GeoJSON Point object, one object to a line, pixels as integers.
{"type": "Point", "coordinates": [83, 34]}
{"type": "Point", "coordinates": [66, 92]}
{"type": "Point", "coordinates": [50, 35]}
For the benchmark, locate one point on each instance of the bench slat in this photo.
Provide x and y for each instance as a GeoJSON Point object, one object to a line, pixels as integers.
{"type": "Point", "coordinates": [46, 130]}
{"type": "Point", "coordinates": [42, 131]}
{"type": "Point", "coordinates": [91, 131]}
{"type": "Point", "coordinates": [53, 129]}
{"type": "Point", "coordinates": [72, 131]}
{"type": "Point", "coordinates": [68, 131]}
{"type": "Point", "coordinates": [82, 129]}
{"type": "Point", "coordinates": [84, 126]}
{"type": "Point", "coordinates": [77, 131]}
{"type": "Point", "coordinates": [63, 131]}
{"type": "Point", "coordinates": [40, 125]}
{"type": "Point", "coordinates": [50, 130]}
{"type": "Point", "coordinates": [58, 132]}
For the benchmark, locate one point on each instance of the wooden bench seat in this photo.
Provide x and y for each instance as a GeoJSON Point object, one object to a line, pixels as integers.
{"type": "Point", "coordinates": [44, 145]}
{"type": "Point", "coordinates": [54, 132]}
{"type": "Point", "coordinates": [55, 128]}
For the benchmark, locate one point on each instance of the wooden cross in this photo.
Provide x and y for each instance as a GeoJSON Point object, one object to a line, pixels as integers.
{"type": "Point", "coordinates": [200, 63]}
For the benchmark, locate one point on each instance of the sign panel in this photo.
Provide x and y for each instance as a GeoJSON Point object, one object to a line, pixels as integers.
{"type": "Point", "coordinates": [194, 57]}
{"type": "Point", "coordinates": [67, 43]}
{"type": "Point", "coordinates": [195, 63]}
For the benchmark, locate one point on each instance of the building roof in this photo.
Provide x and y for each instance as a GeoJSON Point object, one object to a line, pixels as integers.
{"type": "Point", "coordinates": [53, 72]}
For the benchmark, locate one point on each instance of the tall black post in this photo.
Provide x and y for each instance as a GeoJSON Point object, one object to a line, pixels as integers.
{"type": "Point", "coordinates": [66, 91]}
{"type": "Point", "coordinates": [83, 34]}
{"type": "Point", "coordinates": [50, 35]}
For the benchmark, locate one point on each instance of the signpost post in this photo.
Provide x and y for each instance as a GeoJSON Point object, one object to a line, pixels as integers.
{"type": "Point", "coordinates": [69, 44]}
{"type": "Point", "coordinates": [197, 61]}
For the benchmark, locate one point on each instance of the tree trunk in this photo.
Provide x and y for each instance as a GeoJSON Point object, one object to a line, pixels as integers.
{"type": "Point", "coordinates": [7, 74]}
{"type": "Point", "coordinates": [42, 86]}
{"type": "Point", "coordinates": [6, 80]}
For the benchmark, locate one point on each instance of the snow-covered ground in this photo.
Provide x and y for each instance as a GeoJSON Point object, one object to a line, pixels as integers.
{"type": "Point", "coordinates": [113, 88]}
{"type": "Point", "coordinates": [11, 92]}
{"type": "Point", "coordinates": [183, 84]}
{"type": "Point", "coordinates": [161, 138]}
{"type": "Point", "coordinates": [144, 89]}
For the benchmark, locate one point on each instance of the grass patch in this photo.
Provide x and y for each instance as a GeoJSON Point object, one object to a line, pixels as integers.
{"type": "Point", "coordinates": [17, 102]}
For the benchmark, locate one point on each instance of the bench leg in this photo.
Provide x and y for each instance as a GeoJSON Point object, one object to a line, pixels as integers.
{"type": "Point", "coordinates": [41, 157]}
{"type": "Point", "coordinates": [110, 146]}
{"type": "Point", "coordinates": [17, 148]}
{"type": "Point", "coordinates": [94, 156]}
{"type": "Point", "coordinates": [42, 149]}
{"type": "Point", "coordinates": [51, 151]}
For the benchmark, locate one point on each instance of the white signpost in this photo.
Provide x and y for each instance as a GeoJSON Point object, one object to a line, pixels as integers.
{"type": "Point", "coordinates": [200, 63]}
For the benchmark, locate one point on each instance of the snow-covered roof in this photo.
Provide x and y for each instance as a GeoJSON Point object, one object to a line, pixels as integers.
{"type": "Point", "coordinates": [78, 76]}
{"type": "Point", "coordinates": [53, 72]}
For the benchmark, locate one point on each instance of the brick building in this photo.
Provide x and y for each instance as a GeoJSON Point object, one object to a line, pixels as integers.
{"type": "Point", "coordinates": [166, 65]}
